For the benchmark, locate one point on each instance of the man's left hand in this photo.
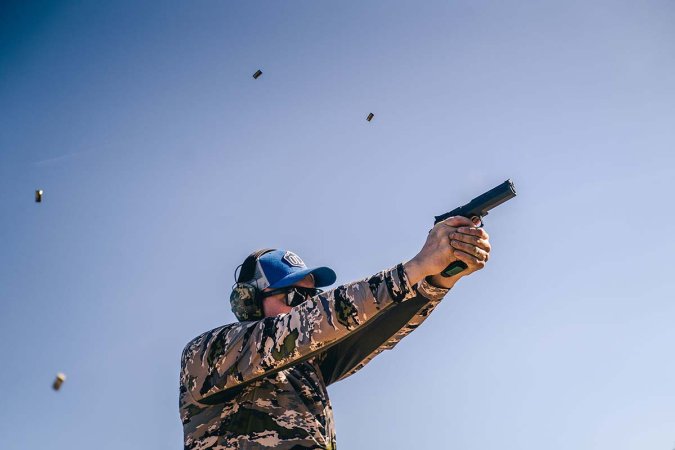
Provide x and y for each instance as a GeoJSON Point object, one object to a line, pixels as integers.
{"type": "Point", "coordinates": [470, 245]}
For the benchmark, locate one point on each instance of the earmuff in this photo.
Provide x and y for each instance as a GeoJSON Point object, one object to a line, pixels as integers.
{"type": "Point", "coordinates": [245, 298]}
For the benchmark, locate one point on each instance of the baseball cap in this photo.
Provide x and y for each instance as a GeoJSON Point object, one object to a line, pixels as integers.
{"type": "Point", "coordinates": [281, 268]}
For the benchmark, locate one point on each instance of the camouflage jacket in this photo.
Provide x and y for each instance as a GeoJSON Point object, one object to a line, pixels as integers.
{"type": "Point", "coordinates": [262, 384]}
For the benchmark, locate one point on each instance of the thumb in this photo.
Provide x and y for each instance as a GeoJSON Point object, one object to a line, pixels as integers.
{"type": "Point", "coordinates": [458, 221]}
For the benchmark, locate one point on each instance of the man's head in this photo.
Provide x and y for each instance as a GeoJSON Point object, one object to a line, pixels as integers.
{"type": "Point", "coordinates": [272, 281]}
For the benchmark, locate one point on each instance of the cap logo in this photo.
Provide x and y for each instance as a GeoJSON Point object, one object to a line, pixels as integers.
{"type": "Point", "coordinates": [293, 260]}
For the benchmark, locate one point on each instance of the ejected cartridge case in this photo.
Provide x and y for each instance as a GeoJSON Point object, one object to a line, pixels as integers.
{"type": "Point", "coordinates": [370, 117]}
{"type": "Point", "coordinates": [38, 196]}
{"type": "Point", "coordinates": [60, 378]}
{"type": "Point", "coordinates": [257, 74]}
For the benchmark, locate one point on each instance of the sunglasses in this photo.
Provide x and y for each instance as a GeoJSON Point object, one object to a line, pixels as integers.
{"type": "Point", "coordinates": [304, 291]}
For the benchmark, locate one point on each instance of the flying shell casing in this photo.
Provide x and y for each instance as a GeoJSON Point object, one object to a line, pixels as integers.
{"type": "Point", "coordinates": [370, 117]}
{"type": "Point", "coordinates": [257, 74]}
{"type": "Point", "coordinates": [60, 378]}
{"type": "Point", "coordinates": [38, 195]}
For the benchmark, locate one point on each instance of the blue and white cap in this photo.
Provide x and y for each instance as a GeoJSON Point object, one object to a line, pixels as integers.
{"type": "Point", "coordinates": [281, 268]}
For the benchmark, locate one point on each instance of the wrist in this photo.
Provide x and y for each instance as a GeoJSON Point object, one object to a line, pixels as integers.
{"type": "Point", "coordinates": [431, 292]}
{"type": "Point", "coordinates": [440, 281]}
{"type": "Point", "coordinates": [413, 271]}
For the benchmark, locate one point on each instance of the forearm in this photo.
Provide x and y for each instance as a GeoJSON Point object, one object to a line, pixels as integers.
{"type": "Point", "coordinates": [383, 333]}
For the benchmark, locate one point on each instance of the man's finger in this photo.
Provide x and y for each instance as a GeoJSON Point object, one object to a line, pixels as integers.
{"type": "Point", "coordinates": [474, 232]}
{"type": "Point", "coordinates": [471, 261]}
{"type": "Point", "coordinates": [457, 221]}
{"type": "Point", "coordinates": [474, 240]}
{"type": "Point", "coordinates": [470, 249]}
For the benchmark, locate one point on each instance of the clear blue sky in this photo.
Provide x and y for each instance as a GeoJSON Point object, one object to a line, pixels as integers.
{"type": "Point", "coordinates": [164, 164]}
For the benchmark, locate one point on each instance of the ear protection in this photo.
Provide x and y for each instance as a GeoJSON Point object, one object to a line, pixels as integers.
{"type": "Point", "coordinates": [245, 299]}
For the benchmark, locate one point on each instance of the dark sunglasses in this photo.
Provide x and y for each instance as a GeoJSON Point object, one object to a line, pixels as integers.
{"type": "Point", "coordinates": [305, 291]}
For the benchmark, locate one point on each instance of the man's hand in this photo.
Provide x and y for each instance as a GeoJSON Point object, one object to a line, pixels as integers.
{"type": "Point", "coordinates": [453, 239]}
{"type": "Point", "coordinates": [472, 246]}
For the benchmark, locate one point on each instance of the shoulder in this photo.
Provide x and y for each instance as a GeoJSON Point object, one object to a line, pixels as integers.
{"type": "Point", "coordinates": [221, 338]}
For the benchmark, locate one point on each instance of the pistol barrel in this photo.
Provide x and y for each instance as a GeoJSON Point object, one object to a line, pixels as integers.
{"type": "Point", "coordinates": [479, 206]}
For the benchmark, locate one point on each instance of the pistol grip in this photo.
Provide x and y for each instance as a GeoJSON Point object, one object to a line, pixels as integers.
{"type": "Point", "coordinates": [454, 268]}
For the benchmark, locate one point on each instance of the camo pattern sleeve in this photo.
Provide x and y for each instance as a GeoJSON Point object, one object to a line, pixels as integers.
{"type": "Point", "coordinates": [429, 297]}
{"type": "Point", "coordinates": [234, 355]}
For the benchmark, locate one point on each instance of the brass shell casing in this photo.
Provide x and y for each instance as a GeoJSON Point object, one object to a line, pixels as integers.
{"type": "Point", "coordinates": [60, 378]}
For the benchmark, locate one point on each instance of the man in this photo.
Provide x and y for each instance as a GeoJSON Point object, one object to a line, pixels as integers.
{"type": "Point", "coordinates": [261, 383]}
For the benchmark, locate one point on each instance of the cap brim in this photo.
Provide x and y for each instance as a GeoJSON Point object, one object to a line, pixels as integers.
{"type": "Point", "coordinates": [323, 276]}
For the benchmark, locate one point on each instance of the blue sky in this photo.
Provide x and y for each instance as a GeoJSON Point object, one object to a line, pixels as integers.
{"type": "Point", "coordinates": [164, 164]}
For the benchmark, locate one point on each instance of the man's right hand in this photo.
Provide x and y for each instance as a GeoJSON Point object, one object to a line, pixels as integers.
{"type": "Point", "coordinates": [438, 252]}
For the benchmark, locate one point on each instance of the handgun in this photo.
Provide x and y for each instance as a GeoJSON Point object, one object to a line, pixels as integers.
{"type": "Point", "coordinates": [475, 210]}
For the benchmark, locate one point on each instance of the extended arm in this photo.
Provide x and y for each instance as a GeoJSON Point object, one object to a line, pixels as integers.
{"type": "Point", "coordinates": [228, 357]}
{"type": "Point", "coordinates": [392, 325]}
{"type": "Point", "coordinates": [382, 333]}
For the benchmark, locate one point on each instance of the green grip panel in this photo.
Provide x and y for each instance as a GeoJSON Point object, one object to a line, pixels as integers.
{"type": "Point", "coordinates": [454, 268]}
